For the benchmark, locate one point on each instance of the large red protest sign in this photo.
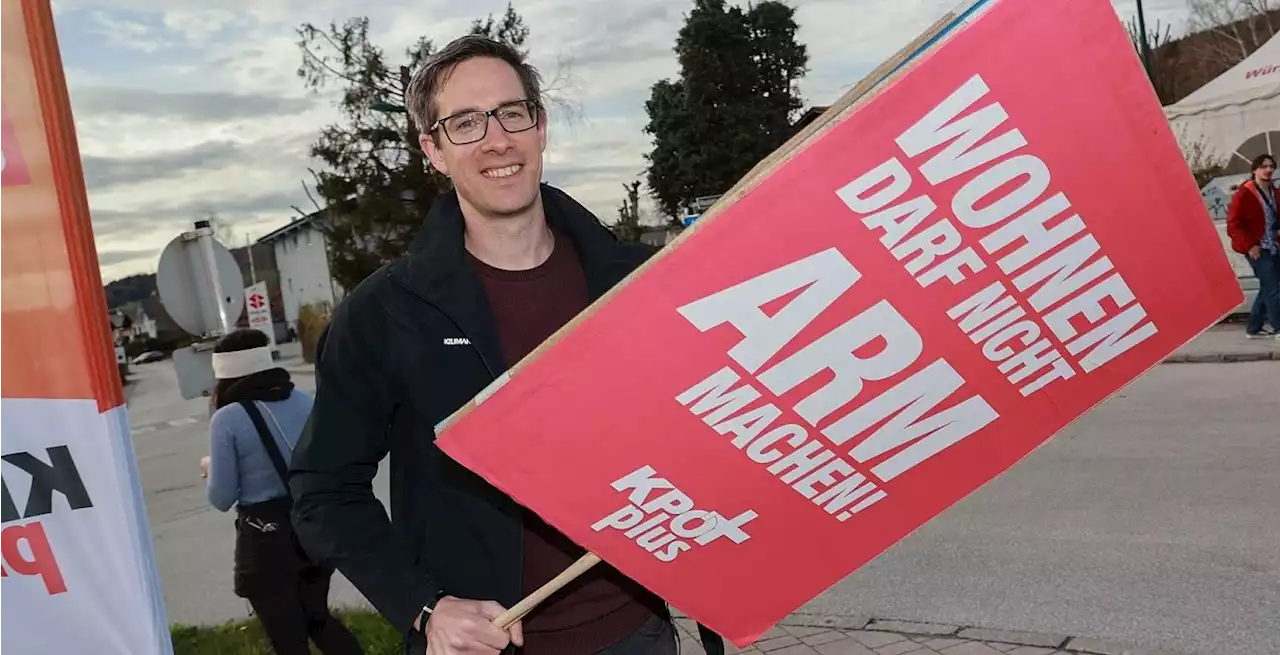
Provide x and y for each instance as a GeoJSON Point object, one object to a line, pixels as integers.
{"type": "Point", "coordinates": [994, 244]}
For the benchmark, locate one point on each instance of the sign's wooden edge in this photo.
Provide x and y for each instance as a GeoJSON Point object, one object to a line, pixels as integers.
{"type": "Point", "coordinates": [859, 95]}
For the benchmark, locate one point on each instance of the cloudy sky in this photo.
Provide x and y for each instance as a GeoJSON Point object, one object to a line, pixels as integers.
{"type": "Point", "coordinates": [182, 108]}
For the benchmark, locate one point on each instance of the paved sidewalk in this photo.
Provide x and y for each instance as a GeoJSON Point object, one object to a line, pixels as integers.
{"type": "Point", "coordinates": [813, 634]}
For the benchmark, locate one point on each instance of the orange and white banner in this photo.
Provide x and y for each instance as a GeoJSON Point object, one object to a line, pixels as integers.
{"type": "Point", "coordinates": [79, 568]}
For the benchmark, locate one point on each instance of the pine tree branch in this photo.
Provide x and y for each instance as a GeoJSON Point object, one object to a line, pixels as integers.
{"type": "Point", "coordinates": [318, 61]}
{"type": "Point", "coordinates": [307, 190]}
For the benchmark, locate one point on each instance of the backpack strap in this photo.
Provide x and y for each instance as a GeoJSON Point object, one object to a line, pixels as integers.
{"type": "Point", "coordinates": [268, 441]}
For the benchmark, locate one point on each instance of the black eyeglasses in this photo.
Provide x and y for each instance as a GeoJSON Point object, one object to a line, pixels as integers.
{"type": "Point", "coordinates": [471, 126]}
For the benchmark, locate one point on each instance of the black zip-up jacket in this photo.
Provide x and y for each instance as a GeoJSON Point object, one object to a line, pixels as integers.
{"type": "Point", "coordinates": [388, 370]}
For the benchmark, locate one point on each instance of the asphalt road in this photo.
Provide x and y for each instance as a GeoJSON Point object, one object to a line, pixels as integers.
{"type": "Point", "coordinates": [1154, 521]}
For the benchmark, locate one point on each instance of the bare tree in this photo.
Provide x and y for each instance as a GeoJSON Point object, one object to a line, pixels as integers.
{"type": "Point", "coordinates": [562, 90]}
{"type": "Point", "coordinates": [1204, 165]}
{"type": "Point", "coordinates": [1263, 19]}
{"type": "Point", "coordinates": [1239, 26]}
{"type": "Point", "coordinates": [1163, 71]}
{"type": "Point", "coordinates": [628, 227]}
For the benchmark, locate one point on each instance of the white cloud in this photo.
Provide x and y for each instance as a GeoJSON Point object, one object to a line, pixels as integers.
{"type": "Point", "coordinates": [126, 34]}
{"type": "Point", "coordinates": [197, 27]}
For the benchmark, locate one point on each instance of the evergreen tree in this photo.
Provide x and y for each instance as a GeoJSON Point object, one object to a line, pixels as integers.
{"type": "Point", "coordinates": [732, 105]}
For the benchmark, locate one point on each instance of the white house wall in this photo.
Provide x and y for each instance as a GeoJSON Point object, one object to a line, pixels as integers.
{"type": "Point", "coordinates": [304, 271]}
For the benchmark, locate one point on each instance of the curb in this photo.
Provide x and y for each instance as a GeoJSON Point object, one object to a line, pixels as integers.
{"type": "Point", "coordinates": [1037, 640]}
{"type": "Point", "coordinates": [1222, 358]}
{"type": "Point", "coordinates": [1067, 643]}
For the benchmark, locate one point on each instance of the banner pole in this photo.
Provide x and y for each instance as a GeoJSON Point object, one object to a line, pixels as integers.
{"type": "Point", "coordinates": [531, 601]}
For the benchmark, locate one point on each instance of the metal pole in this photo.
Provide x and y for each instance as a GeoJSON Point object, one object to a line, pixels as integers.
{"type": "Point", "coordinates": [1146, 43]}
{"type": "Point", "coordinates": [253, 273]}
{"type": "Point", "coordinates": [211, 269]}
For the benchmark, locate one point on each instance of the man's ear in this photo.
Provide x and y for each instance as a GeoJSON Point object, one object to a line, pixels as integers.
{"type": "Point", "coordinates": [434, 155]}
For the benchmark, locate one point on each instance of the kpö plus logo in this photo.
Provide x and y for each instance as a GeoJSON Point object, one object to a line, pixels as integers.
{"type": "Point", "coordinates": [13, 167]}
{"type": "Point", "coordinates": [26, 547]}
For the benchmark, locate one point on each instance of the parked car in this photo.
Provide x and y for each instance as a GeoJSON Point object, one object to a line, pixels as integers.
{"type": "Point", "coordinates": [149, 356]}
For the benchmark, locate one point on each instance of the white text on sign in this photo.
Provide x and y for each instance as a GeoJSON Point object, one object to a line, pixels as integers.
{"type": "Point", "coordinates": [900, 427]}
{"type": "Point", "coordinates": [1042, 248]}
{"type": "Point", "coordinates": [26, 547]}
{"type": "Point", "coordinates": [664, 520]}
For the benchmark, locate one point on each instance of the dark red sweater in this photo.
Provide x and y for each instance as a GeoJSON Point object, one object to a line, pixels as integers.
{"type": "Point", "coordinates": [602, 606]}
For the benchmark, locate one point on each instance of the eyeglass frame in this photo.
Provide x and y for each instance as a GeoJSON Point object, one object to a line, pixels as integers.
{"type": "Point", "coordinates": [537, 118]}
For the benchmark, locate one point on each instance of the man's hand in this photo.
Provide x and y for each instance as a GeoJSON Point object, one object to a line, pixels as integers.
{"type": "Point", "coordinates": [204, 466]}
{"type": "Point", "coordinates": [1255, 253]}
{"type": "Point", "coordinates": [466, 626]}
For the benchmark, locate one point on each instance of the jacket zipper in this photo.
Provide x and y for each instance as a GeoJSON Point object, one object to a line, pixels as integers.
{"type": "Point", "coordinates": [493, 376]}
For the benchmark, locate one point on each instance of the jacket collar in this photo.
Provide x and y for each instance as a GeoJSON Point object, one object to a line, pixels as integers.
{"type": "Point", "coordinates": [437, 271]}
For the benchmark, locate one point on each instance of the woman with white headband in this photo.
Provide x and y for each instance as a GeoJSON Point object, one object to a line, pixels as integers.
{"type": "Point", "coordinates": [258, 415]}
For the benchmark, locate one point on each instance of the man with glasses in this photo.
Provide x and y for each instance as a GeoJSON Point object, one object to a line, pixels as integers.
{"type": "Point", "coordinates": [501, 263]}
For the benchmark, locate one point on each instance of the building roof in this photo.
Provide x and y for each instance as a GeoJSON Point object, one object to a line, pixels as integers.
{"type": "Point", "coordinates": [809, 116]}
{"type": "Point", "coordinates": [155, 309]}
{"type": "Point", "coordinates": [133, 310]}
{"type": "Point", "coordinates": [295, 225]}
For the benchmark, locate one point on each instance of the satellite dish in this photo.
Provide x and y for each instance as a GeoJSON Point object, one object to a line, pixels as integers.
{"type": "Point", "coordinates": [188, 267]}
{"type": "Point", "coordinates": [1262, 143]}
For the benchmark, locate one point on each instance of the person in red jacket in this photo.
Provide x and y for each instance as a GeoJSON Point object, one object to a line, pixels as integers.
{"type": "Point", "coordinates": [1254, 230]}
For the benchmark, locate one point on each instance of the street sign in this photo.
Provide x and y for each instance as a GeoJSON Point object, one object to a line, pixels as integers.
{"type": "Point", "coordinates": [703, 203]}
{"type": "Point", "coordinates": [195, 281]}
{"type": "Point", "coordinates": [193, 366]}
{"type": "Point", "coordinates": [259, 309]}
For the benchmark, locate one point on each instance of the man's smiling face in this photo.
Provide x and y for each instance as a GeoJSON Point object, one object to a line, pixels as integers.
{"type": "Point", "coordinates": [498, 175]}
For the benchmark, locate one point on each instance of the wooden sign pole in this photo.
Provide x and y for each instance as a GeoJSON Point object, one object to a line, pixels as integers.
{"type": "Point", "coordinates": [531, 601]}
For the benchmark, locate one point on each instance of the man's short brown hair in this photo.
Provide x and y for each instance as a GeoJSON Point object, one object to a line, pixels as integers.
{"type": "Point", "coordinates": [434, 72]}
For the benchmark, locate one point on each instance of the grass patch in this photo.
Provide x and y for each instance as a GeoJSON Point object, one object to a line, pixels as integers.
{"type": "Point", "coordinates": [246, 637]}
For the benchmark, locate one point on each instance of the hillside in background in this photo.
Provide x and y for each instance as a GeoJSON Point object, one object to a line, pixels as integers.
{"type": "Point", "coordinates": [1180, 66]}
{"type": "Point", "coordinates": [130, 289]}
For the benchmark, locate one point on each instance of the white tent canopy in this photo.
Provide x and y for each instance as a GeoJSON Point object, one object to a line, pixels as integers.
{"type": "Point", "coordinates": [1236, 116]}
